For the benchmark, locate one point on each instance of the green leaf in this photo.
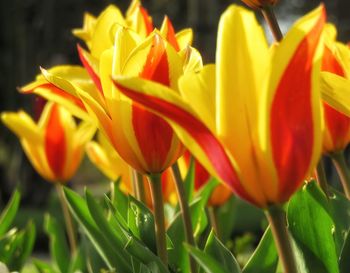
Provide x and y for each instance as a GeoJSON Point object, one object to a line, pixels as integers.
{"type": "Point", "coordinates": [311, 225]}
{"type": "Point", "coordinates": [340, 210]}
{"type": "Point", "coordinates": [265, 257]}
{"type": "Point", "coordinates": [44, 267]}
{"type": "Point", "coordinates": [9, 213]}
{"type": "Point", "coordinates": [16, 246]}
{"type": "Point", "coordinates": [178, 256]}
{"type": "Point", "coordinates": [208, 263]}
{"type": "Point", "coordinates": [59, 249]}
{"type": "Point", "coordinates": [221, 254]}
{"type": "Point", "coordinates": [189, 181]}
{"type": "Point", "coordinates": [103, 246]}
{"type": "Point", "coordinates": [120, 200]}
{"type": "Point", "coordinates": [344, 261]}
{"type": "Point", "coordinates": [141, 223]}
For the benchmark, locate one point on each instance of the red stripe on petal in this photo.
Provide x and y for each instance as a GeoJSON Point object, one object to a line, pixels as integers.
{"type": "Point", "coordinates": [55, 143]}
{"type": "Point", "coordinates": [153, 134]}
{"type": "Point", "coordinates": [171, 38]}
{"type": "Point", "coordinates": [338, 124]}
{"type": "Point", "coordinates": [199, 132]}
{"type": "Point", "coordinates": [93, 74]}
{"type": "Point", "coordinates": [292, 131]}
{"type": "Point", "coordinates": [147, 20]}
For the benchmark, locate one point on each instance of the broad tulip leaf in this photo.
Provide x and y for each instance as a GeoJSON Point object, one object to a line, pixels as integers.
{"type": "Point", "coordinates": [103, 246]}
{"type": "Point", "coordinates": [221, 254]}
{"type": "Point", "coordinates": [9, 212]}
{"type": "Point", "coordinates": [58, 244]}
{"type": "Point", "coordinates": [265, 257]}
{"type": "Point", "coordinates": [344, 261]}
{"type": "Point", "coordinates": [311, 225]}
{"type": "Point", "coordinates": [141, 223]}
{"type": "Point", "coordinates": [208, 263]}
{"type": "Point", "coordinates": [120, 200]}
{"type": "Point", "coordinates": [340, 209]}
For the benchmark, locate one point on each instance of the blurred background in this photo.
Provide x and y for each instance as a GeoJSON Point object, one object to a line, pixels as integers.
{"type": "Point", "coordinates": [38, 33]}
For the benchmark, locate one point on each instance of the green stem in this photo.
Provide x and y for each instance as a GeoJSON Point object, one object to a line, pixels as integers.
{"type": "Point", "coordinates": [343, 171]}
{"type": "Point", "coordinates": [278, 223]}
{"type": "Point", "coordinates": [185, 211]}
{"type": "Point", "coordinates": [214, 220]}
{"type": "Point", "coordinates": [271, 20]}
{"type": "Point", "coordinates": [321, 177]}
{"type": "Point", "coordinates": [157, 198]}
{"type": "Point", "coordinates": [139, 187]}
{"type": "Point", "coordinates": [67, 218]}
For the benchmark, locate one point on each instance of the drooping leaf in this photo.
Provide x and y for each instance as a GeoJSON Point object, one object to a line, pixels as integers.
{"type": "Point", "coordinates": [344, 261]}
{"type": "Point", "coordinates": [265, 257]}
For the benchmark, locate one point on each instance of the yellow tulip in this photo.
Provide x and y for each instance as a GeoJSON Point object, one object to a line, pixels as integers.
{"type": "Point", "coordinates": [55, 145]}
{"type": "Point", "coordinates": [254, 119]}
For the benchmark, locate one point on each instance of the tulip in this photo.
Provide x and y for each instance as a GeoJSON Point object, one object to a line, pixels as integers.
{"type": "Point", "coordinates": [55, 145]}
{"type": "Point", "coordinates": [263, 153]}
{"type": "Point", "coordinates": [336, 65]}
{"type": "Point", "coordinates": [336, 61]}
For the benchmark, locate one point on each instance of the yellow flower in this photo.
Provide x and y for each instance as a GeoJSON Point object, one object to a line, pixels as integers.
{"type": "Point", "coordinates": [55, 145]}
{"type": "Point", "coordinates": [254, 119]}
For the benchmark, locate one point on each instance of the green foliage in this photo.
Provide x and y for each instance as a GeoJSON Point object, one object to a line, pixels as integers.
{"type": "Point", "coordinates": [15, 245]}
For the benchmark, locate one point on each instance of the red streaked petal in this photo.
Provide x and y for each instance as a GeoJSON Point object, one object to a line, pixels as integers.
{"type": "Point", "coordinates": [153, 134]}
{"type": "Point", "coordinates": [93, 74]}
{"type": "Point", "coordinates": [291, 124]}
{"type": "Point", "coordinates": [55, 143]}
{"type": "Point", "coordinates": [337, 124]}
{"type": "Point", "coordinates": [199, 132]}
{"type": "Point", "coordinates": [171, 36]}
{"type": "Point", "coordinates": [147, 19]}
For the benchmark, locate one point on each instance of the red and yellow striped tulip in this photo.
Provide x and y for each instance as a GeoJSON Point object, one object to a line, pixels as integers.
{"type": "Point", "coordinates": [336, 62]}
{"type": "Point", "coordinates": [55, 145]}
{"type": "Point", "coordinates": [103, 156]}
{"type": "Point", "coordinates": [254, 119]}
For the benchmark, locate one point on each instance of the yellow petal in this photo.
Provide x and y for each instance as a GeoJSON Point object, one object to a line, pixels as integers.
{"type": "Point", "coordinates": [184, 38]}
{"type": "Point", "coordinates": [335, 92]}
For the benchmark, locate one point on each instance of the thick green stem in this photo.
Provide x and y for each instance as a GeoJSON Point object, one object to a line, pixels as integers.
{"type": "Point", "coordinates": [343, 171]}
{"type": "Point", "coordinates": [139, 188]}
{"type": "Point", "coordinates": [67, 218]}
{"type": "Point", "coordinates": [321, 177]}
{"type": "Point", "coordinates": [271, 20]}
{"type": "Point", "coordinates": [157, 198]}
{"type": "Point", "coordinates": [185, 211]}
{"type": "Point", "coordinates": [278, 224]}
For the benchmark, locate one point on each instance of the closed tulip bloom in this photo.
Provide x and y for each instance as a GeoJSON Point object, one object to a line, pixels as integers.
{"type": "Point", "coordinates": [336, 63]}
{"type": "Point", "coordinates": [254, 119]}
{"type": "Point", "coordinates": [55, 145]}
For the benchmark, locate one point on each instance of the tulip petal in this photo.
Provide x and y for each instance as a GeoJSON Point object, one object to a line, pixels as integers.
{"type": "Point", "coordinates": [197, 137]}
{"type": "Point", "coordinates": [168, 32]}
{"type": "Point", "coordinates": [335, 92]}
{"type": "Point", "coordinates": [295, 114]}
{"type": "Point", "coordinates": [184, 38]}
{"type": "Point", "coordinates": [90, 65]}
{"type": "Point", "coordinates": [198, 89]}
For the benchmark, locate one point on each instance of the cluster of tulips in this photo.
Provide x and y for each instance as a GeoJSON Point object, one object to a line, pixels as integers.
{"type": "Point", "coordinates": [256, 124]}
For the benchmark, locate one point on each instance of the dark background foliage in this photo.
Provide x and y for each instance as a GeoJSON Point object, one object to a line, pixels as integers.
{"type": "Point", "coordinates": [38, 33]}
